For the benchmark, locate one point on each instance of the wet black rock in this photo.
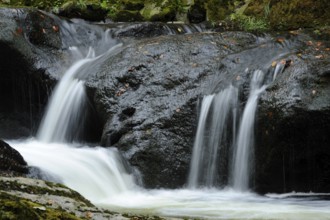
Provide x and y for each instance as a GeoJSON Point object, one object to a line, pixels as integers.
{"type": "Point", "coordinates": [29, 45]}
{"type": "Point", "coordinates": [11, 161]}
{"type": "Point", "coordinates": [147, 94]}
{"type": "Point", "coordinates": [292, 151]}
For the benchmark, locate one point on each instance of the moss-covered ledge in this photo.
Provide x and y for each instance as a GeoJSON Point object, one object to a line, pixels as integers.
{"type": "Point", "coordinates": [34, 199]}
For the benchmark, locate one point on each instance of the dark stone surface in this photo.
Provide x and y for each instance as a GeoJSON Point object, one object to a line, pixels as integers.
{"type": "Point", "coordinates": [196, 14]}
{"type": "Point", "coordinates": [292, 152]}
{"type": "Point", "coordinates": [148, 92]}
{"type": "Point", "coordinates": [11, 161]}
{"type": "Point", "coordinates": [28, 46]}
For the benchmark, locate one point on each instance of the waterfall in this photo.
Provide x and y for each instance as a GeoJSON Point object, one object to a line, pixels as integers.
{"type": "Point", "coordinates": [97, 173]}
{"type": "Point", "coordinates": [211, 135]}
{"type": "Point", "coordinates": [217, 118]}
{"type": "Point", "coordinates": [199, 141]}
{"type": "Point", "coordinates": [67, 107]}
{"type": "Point", "coordinates": [243, 151]}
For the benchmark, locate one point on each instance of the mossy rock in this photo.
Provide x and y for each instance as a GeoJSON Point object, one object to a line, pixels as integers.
{"type": "Point", "coordinates": [133, 5]}
{"type": "Point", "coordinates": [127, 16]}
{"type": "Point", "coordinates": [219, 10]}
{"type": "Point", "coordinates": [88, 10]}
{"type": "Point", "coordinates": [299, 14]}
{"type": "Point", "coordinates": [159, 12]}
{"type": "Point", "coordinates": [257, 8]}
{"type": "Point", "coordinates": [13, 207]}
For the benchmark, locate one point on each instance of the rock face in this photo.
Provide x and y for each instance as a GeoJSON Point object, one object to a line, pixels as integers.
{"type": "Point", "coordinates": [292, 152]}
{"type": "Point", "coordinates": [11, 161]}
{"type": "Point", "coordinates": [26, 53]}
{"type": "Point", "coordinates": [148, 94]}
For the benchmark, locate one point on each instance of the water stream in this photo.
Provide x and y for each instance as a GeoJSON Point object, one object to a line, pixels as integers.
{"type": "Point", "coordinates": [101, 175]}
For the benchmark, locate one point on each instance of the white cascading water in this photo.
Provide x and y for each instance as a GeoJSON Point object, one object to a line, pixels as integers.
{"type": "Point", "coordinates": [204, 164]}
{"type": "Point", "coordinates": [66, 105]}
{"type": "Point", "coordinates": [243, 152]}
{"type": "Point", "coordinates": [199, 142]}
{"type": "Point", "coordinates": [99, 174]}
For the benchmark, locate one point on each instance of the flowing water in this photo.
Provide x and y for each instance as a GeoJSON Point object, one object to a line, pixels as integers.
{"type": "Point", "coordinates": [100, 176]}
{"type": "Point", "coordinates": [243, 150]}
{"type": "Point", "coordinates": [103, 177]}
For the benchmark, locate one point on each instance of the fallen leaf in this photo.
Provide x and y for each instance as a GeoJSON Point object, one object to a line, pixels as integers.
{"type": "Point", "coordinates": [283, 62]}
{"type": "Point", "coordinates": [319, 56]}
{"type": "Point", "coordinates": [309, 43]}
{"type": "Point", "coordinates": [177, 110]}
{"type": "Point", "coordinates": [55, 28]}
{"type": "Point", "coordinates": [318, 44]}
{"type": "Point", "coordinates": [89, 215]}
{"type": "Point", "coordinates": [43, 31]}
{"type": "Point", "coordinates": [274, 63]}
{"type": "Point", "coordinates": [120, 92]}
{"type": "Point", "coordinates": [327, 49]}
{"type": "Point", "coordinates": [293, 32]}
{"type": "Point", "coordinates": [180, 30]}
{"type": "Point", "coordinates": [19, 31]}
{"type": "Point", "coordinates": [280, 40]}
{"type": "Point", "coordinates": [127, 85]}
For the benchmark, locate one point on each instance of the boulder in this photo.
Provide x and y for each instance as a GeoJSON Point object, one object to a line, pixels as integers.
{"type": "Point", "coordinates": [11, 160]}
{"type": "Point", "coordinates": [147, 94]}
{"type": "Point", "coordinates": [29, 45]}
{"type": "Point", "coordinates": [292, 149]}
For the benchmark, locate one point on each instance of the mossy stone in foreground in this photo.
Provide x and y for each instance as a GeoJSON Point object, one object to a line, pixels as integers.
{"type": "Point", "coordinates": [13, 207]}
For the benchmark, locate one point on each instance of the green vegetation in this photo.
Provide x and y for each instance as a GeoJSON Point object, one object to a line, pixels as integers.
{"type": "Point", "coordinates": [249, 23]}
{"type": "Point", "coordinates": [249, 15]}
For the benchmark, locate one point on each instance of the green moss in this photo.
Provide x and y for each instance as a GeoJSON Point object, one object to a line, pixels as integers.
{"type": "Point", "coordinates": [294, 14]}
{"type": "Point", "coordinates": [299, 14]}
{"type": "Point", "coordinates": [12, 208]}
{"type": "Point", "coordinates": [218, 10]}
{"type": "Point", "coordinates": [249, 23]}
